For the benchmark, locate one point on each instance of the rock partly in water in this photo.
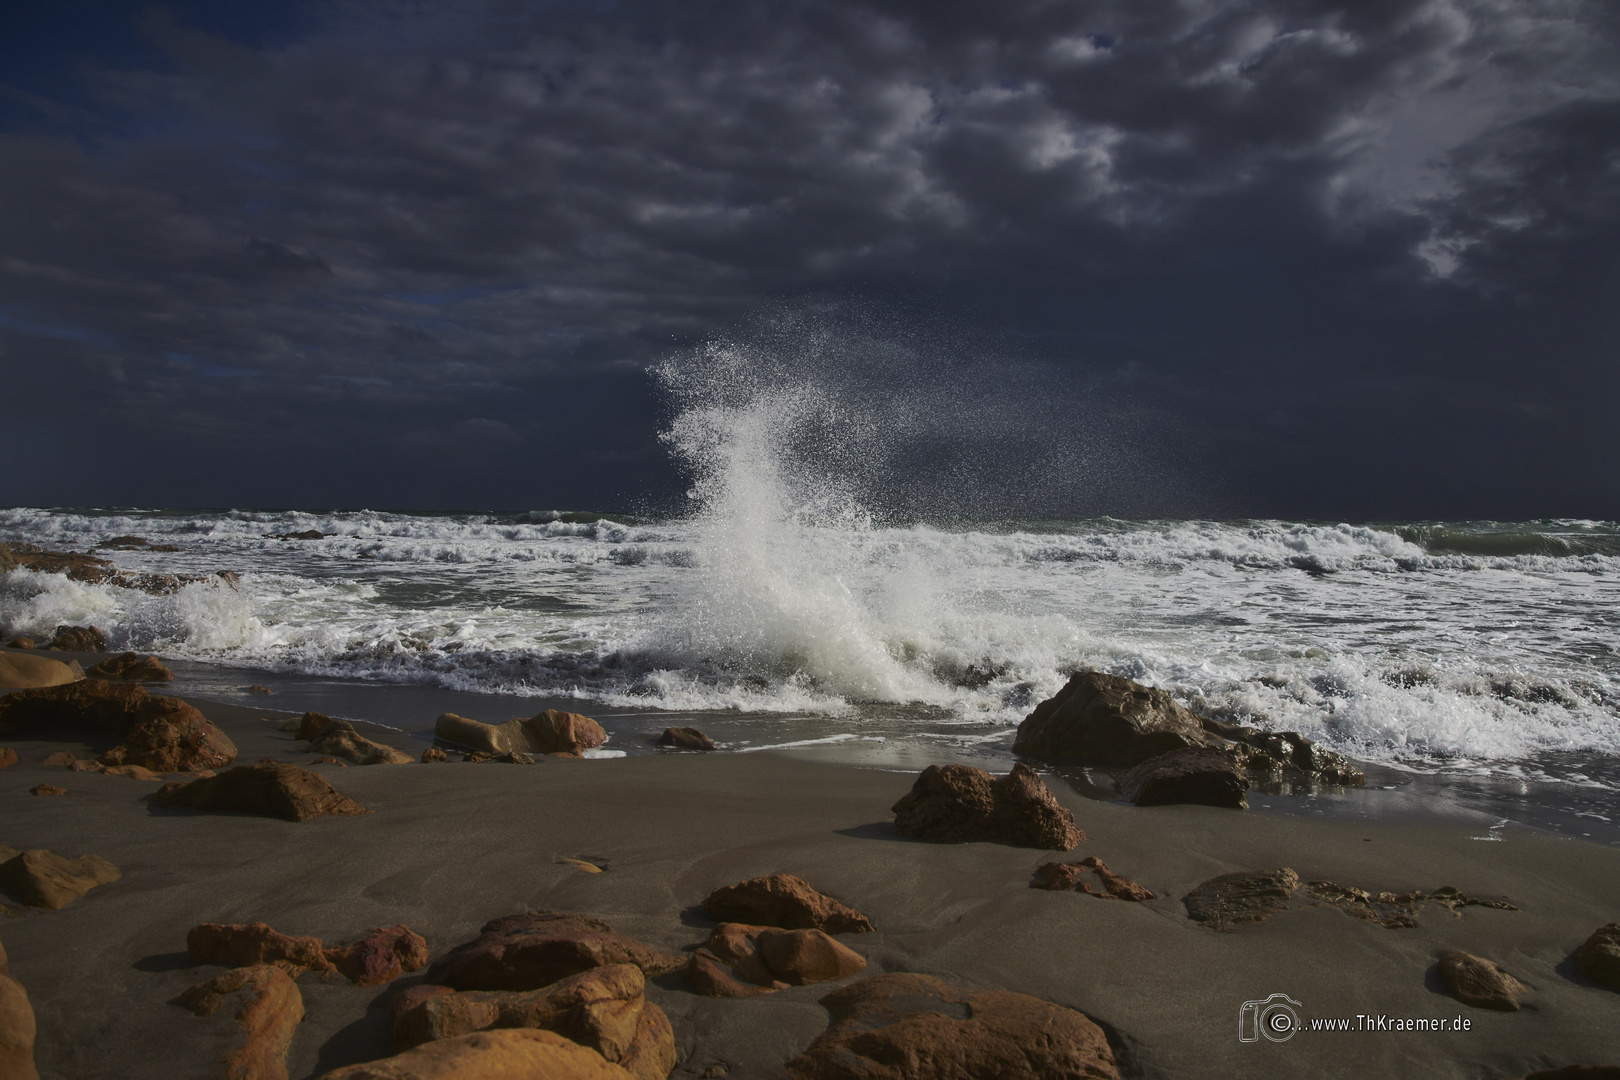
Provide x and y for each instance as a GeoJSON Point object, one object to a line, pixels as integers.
{"type": "Point", "coordinates": [557, 732]}
{"type": "Point", "coordinates": [527, 952]}
{"type": "Point", "coordinates": [78, 639]}
{"type": "Point", "coordinates": [131, 667]}
{"type": "Point", "coordinates": [32, 672]}
{"type": "Point", "coordinates": [1287, 755]}
{"type": "Point", "coordinates": [17, 1028]}
{"type": "Point", "coordinates": [686, 738]}
{"type": "Point", "coordinates": [916, 1027]}
{"type": "Point", "coordinates": [1598, 957]}
{"type": "Point", "coordinates": [1208, 776]}
{"type": "Point", "coordinates": [41, 879]}
{"type": "Point", "coordinates": [340, 740]}
{"type": "Point", "coordinates": [1099, 719]}
{"type": "Point", "coordinates": [508, 1054]}
{"type": "Point", "coordinates": [274, 789]}
{"type": "Point", "coordinates": [380, 957]}
{"type": "Point", "coordinates": [1477, 981]}
{"type": "Point", "coordinates": [785, 901]}
{"type": "Point", "coordinates": [472, 735]}
{"type": "Point", "coordinates": [958, 804]}
{"type": "Point", "coordinates": [261, 1006]}
{"type": "Point", "coordinates": [247, 944]}
{"type": "Point", "coordinates": [1241, 899]}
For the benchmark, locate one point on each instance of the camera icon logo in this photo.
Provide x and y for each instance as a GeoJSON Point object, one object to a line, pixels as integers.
{"type": "Point", "coordinates": [1274, 1017]}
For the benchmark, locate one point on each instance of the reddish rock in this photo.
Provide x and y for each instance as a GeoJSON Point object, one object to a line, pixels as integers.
{"type": "Point", "coordinates": [340, 740]}
{"type": "Point", "coordinates": [47, 789]}
{"type": "Point", "coordinates": [490, 1055]}
{"type": "Point", "coordinates": [686, 738]}
{"type": "Point", "coordinates": [1477, 981]}
{"type": "Point", "coordinates": [557, 732]}
{"type": "Point", "coordinates": [1099, 719]}
{"type": "Point", "coordinates": [916, 1027]}
{"type": "Point", "coordinates": [1121, 888]}
{"type": "Point", "coordinates": [58, 758]}
{"type": "Point", "coordinates": [164, 734]}
{"type": "Point", "coordinates": [1598, 957]}
{"type": "Point", "coordinates": [247, 944]}
{"type": "Point", "coordinates": [311, 724]}
{"type": "Point", "coordinates": [798, 957]}
{"type": "Point", "coordinates": [1070, 877]}
{"type": "Point", "coordinates": [785, 901]}
{"type": "Point", "coordinates": [33, 672]}
{"type": "Point", "coordinates": [768, 957]}
{"type": "Point", "coordinates": [20, 643]}
{"type": "Point", "coordinates": [329, 760]}
{"type": "Point", "coordinates": [261, 1006]}
{"type": "Point", "coordinates": [131, 667]}
{"type": "Point", "coordinates": [8, 757]}
{"type": "Point", "coordinates": [432, 754]}
{"type": "Point", "coordinates": [78, 638]}
{"type": "Point", "coordinates": [132, 772]}
{"type": "Point", "coordinates": [274, 789]}
{"type": "Point", "coordinates": [17, 1027]}
{"type": "Point", "coordinates": [474, 735]}
{"type": "Point", "coordinates": [381, 957]}
{"type": "Point", "coordinates": [712, 977]}
{"type": "Point", "coordinates": [70, 564]}
{"type": "Point", "coordinates": [958, 804]}
{"type": "Point", "coordinates": [170, 735]}
{"type": "Point", "coordinates": [1246, 897]}
{"type": "Point", "coordinates": [526, 952]}
{"type": "Point", "coordinates": [86, 766]}
{"type": "Point", "coordinates": [1209, 776]}
{"type": "Point", "coordinates": [41, 879]}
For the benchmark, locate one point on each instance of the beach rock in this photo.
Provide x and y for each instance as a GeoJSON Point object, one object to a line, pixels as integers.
{"type": "Point", "coordinates": [916, 1027]}
{"type": "Point", "coordinates": [1208, 776]}
{"type": "Point", "coordinates": [247, 944]}
{"type": "Point", "coordinates": [1243, 898]}
{"type": "Point", "coordinates": [263, 1006]}
{"type": "Point", "coordinates": [70, 564]}
{"type": "Point", "coordinates": [131, 772]}
{"type": "Point", "coordinates": [1598, 957]}
{"type": "Point", "coordinates": [309, 726]}
{"type": "Point", "coordinates": [257, 689]}
{"type": "Point", "coordinates": [131, 667]}
{"type": "Point", "coordinates": [307, 534]}
{"type": "Point", "coordinates": [432, 754]}
{"type": "Point", "coordinates": [958, 803]}
{"type": "Point", "coordinates": [784, 901]}
{"type": "Point", "coordinates": [526, 952]}
{"type": "Point", "coordinates": [381, 957]}
{"type": "Point", "coordinates": [341, 740]}
{"type": "Point", "coordinates": [17, 1028]}
{"type": "Point", "coordinates": [556, 732]}
{"type": "Point", "coordinates": [1099, 719]}
{"type": "Point", "coordinates": [86, 766]}
{"type": "Point", "coordinates": [123, 543]}
{"type": "Point", "coordinates": [170, 735]}
{"type": "Point", "coordinates": [511, 1054]}
{"type": "Point", "coordinates": [1477, 981]}
{"type": "Point", "coordinates": [47, 789]}
{"type": "Point", "coordinates": [330, 761]}
{"type": "Point", "coordinates": [58, 758]}
{"type": "Point", "coordinates": [8, 561]}
{"type": "Point", "coordinates": [1120, 888]}
{"type": "Point", "coordinates": [797, 957]}
{"type": "Point", "coordinates": [471, 734]}
{"type": "Point", "coordinates": [20, 643]}
{"type": "Point", "coordinates": [1070, 877]}
{"type": "Point", "coordinates": [8, 757]}
{"type": "Point", "coordinates": [40, 879]}
{"type": "Point", "coordinates": [686, 738]}
{"type": "Point", "coordinates": [115, 711]}
{"type": "Point", "coordinates": [78, 639]}
{"type": "Point", "coordinates": [274, 789]}
{"type": "Point", "coordinates": [31, 672]}
{"type": "Point", "coordinates": [710, 976]}
{"type": "Point", "coordinates": [1287, 753]}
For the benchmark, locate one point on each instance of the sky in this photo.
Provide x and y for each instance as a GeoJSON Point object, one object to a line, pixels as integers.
{"type": "Point", "coordinates": [1353, 261]}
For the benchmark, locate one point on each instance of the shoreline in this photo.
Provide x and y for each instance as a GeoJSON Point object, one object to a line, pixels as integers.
{"type": "Point", "coordinates": [448, 847]}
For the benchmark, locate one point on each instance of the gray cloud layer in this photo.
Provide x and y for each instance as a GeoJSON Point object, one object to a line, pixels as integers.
{"type": "Point", "coordinates": [1358, 259]}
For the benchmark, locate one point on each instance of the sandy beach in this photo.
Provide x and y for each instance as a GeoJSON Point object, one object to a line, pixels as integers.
{"type": "Point", "coordinates": [450, 846]}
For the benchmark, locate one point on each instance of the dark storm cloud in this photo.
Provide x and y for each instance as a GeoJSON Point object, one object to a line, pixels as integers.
{"type": "Point", "coordinates": [437, 245]}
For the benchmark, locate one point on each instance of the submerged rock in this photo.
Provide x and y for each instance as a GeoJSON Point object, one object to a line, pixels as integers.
{"type": "Point", "coordinates": [1477, 981]}
{"type": "Point", "coordinates": [1099, 719]}
{"type": "Point", "coordinates": [960, 804]}
{"type": "Point", "coordinates": [785, 901]}
{"type": "Point", "coordinates": [78, 638]}
{"type": "Point", "coordinates": [686, 738]}
{"type": "Point", "coordinates": [526, 952]}
{"type": "Point", "coordinates": [262, 1006]}
{"type": "Point", "coordinates": [274, 789]}
{"type": "Point", "coordinates": [1208, 776]}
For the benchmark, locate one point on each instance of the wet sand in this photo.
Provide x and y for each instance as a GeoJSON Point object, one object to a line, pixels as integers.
{"type": "Point", "coordinates": [450, 846]}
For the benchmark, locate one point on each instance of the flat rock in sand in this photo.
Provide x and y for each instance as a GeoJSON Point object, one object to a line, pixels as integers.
{"type": "Point", "coordinates": [785, 901]}
{"type": "Point", "coordinates": [516, 1054]}
{"type": "Point", "coordinates": [41, 879]}
{"type": "Point", "coordinates": [340, 740]}
{"type": "Point", "coordinates": [261, 1007]}
{"type": "Point", "coordinates": [1070, 877]}
{"type": "Point", "coordinates": [526, 952]}
{"type": "Point", "coordinates": [1477, 981]}
{"type": "Point", "coordinates": [1242, 898]}
{"type": "Point", "coordinates": [960, 804]}
{"type": "Point", "coordinates": [249, 944]}
{"type": "Point", "coordinates": [271, 788]}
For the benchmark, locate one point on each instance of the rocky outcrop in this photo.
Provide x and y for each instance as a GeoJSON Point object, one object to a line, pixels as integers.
{"type": "Point", "coordinates": [1241, 899]}
{"type": "Point", "coordinates": [41, 879]}
{"type": "Point", "coordinates": [1070, 877]}
{"type": "Point", "coordinates": [958, 803]}
{"type": "Point", "coordinates": [131, 667]}
{"type": "Point", "coordinates": [249, 944]}
{"type": "Point", "coordinates": [768, 958]}
{"type": "Point", "coordinates": [380, 957]}
{"type": "Point", "coordinates": [17, 1028]}
{"type": "Point", "coordinates": [785, 901]}
{"type": "Point", "coordinates": [163, 734]}
{"type": "Point", "coordinates": [8, 561]}
{"type": "Point", "coordinates": [274, 789]}
{"type": "Point", "coordinates": [526, 952]}
{"type": "Point", "coordinates": [549, 732]}
{"type": "Point", "coordinates": [1208, 776]}
{"type": "Point", "coordinates": [490, 1055]}
{"type": "Point", "coordinates": [309, 726]}
{"type": "Point", "coordinates": [340, 740]}
{"type": "Point", "coordinates": [78, 639]}
{"type": "Point", "coordinates": [1286, 755]}
{"type": "Point", "coordinates": [32, 672]}
{"type": "Point", "coordinates": [1598, 957]}
{"type": "Point", "coordinates": [916, 1027]}
{"type": "Point", "coordinates": [710, 976]}
{"type": "Point", "coordinates": [1099, 719]}
{"type": "Point", "coordinates": [1477, 981]}
{"type": "Point", "coordinates": [99, 571]}
{"type": "Point", "coordinates": [471, 734]}
{"type": "Point", "coordinates": [686, 738]}
{"type": "Point", "coordinates": [261, 1007]}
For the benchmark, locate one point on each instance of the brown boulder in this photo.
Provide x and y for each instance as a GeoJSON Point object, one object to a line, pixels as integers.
{"type": "Point", "coordinates": [340, 740]}
{"type": "Point", "coordinates": [515, 1054]}
{"type": "Point", "coordinates": [274, 789]}
{"type": "Point", "coordinates": [526, 952]}
{"type": "Point", "coordinates": [170, 735]}
{"type": "Point", "coordinates": [8, 757]}
{"type": "Point", "coordinates": [263, 1006]}
{"type": "Point", "coordinates": [309, 726]}
{"type": "Point", "coordinates": [32, 672]}
{"type": "Point", "coordinates": [712, 977]}
{"type": "Point", "coordinates": [1208, 776]}
{"type": "Point", "coordinates": [162, 733]}
{"type": "Point", "coordinates": [785, 901]}
{"type": "Point", "coordinates": [472, 735]}
{"type": "Point", "coordinates": [247, 944]}
{"type": "Point", "coordinates": [916, 1027]}
{"type": "Point", "coordinates": [133, 772]}
{"type": "Point", "coordinates": [20, 643]}
{"type": "Point", "coordinates": [17, 1027]}
{"type": "Point", "coordinates": [557, 732]}
{"type": "Point", "coordinates": [958, 804]}
{"type": "Point", "coordinates": [1287, 754]}
{"type": "Point", "coordinates": [40, 879]}
{"type": "Point", "coordinates": [769, 957]}
{"type": "Point", "coordinates": [78, 639]}
{"type": "Point", "coordinates": [131, 667]}
{"type": "Point", "coordinates": [1248, 896]}
{"type": "Point", "coordinates": [381, 957]}
{"type": "Point", "coordinates": [1099, 719]}
{"type": "Point", "coordinates": [798, 957]}
{"type": "Point", "coordinates": [47, 789]}
{"type": "Point", "coordinates": [686, 738]}
{"type": "Point", "coordinates": [1598, 957]}
{"type": "Point", "coordinates": [1121, 888]}
{"type": "Point", "coordinates": [1477, 981]}
{"type": "Point", "coordinates": [8, 561]}
{"type": "Point", "coordinates": [432, 754]}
